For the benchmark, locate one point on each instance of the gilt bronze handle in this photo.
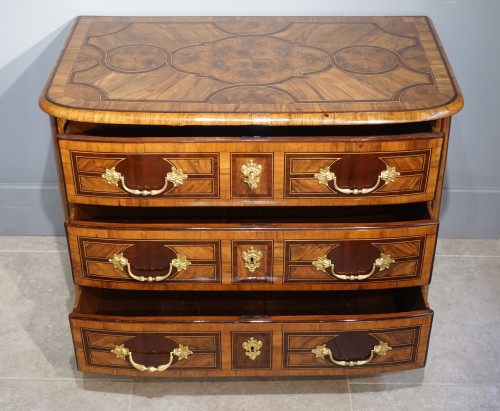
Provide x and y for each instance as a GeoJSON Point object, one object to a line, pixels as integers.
{"type": "Point", "coordinates": [181, 263]}
{"type": "Point", "coordinates": [321, 351]}
{"type": "Point", "coordinates": [113, 177]}
{"type": "Point", "coordinates": [325, 265]}
{"type": "Point", "coordinates": [182, 352]}
{"type": "Point", "coordinates": [324, 176]}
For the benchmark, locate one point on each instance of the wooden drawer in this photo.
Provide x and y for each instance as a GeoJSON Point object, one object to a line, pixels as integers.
{"type": "Point", "coordinates": [266, 171]}
{"type": "Point", "coordinates": [227, 334]}
{"type": "Point", "coordinates": [248, 249]}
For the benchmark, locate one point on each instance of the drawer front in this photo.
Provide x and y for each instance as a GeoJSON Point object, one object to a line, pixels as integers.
{"type": "Point", "coordinates": [153, 261]}
{"type": "Point", "coordinates": [338, 348]}
{"type": "Point", "coordinates": [117, 176]}
{"type": "Point", "coordinates": [118, 350]}
{"type": "Point", "coordinates": [228, 257]}
{"type": "Point", "coordinates": [252, 350]}
{"type": "Point", "coordinates": [252, 176]}
{"type": "Point", "coordinates": [364, 175]}
{"type": "Point", "coordinates": [236, 172]}
{"type": "Point", "coordinates": [372, 260]}
{"type": "Point", "coordinates": [156, 347]}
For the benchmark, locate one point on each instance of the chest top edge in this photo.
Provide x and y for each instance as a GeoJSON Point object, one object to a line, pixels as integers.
{"type": "Point", "coordinates": [252, 71]}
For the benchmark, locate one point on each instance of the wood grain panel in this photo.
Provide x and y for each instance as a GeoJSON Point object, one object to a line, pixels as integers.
{"type": "Point", "coordinates": [356, 257]}
{"type": "Point", "coordinates": [262, 272]}
{"type": "Point", "coordinates": [196, 71]}
{"type": "Point", "coordinates": [214, 177]}
{"type": "Point", "coordinates": [352, 346]}
{"type": "Point", "coordinates": [147, 258]}
{"type": "Point", "coordinates": [264, 187]}
{"type": "Point", "coordinates": [417, 173]}
{"type": "Point", "coordinates": [239, 358]}
{"type": "Point", "coordinates": [144, 172]}
{"type": "Point", "coordinates": [288, 254]}
{"type": "Point", "coordinates": [99, 343]}
{"type": "Point", "coordinates": [216, 341]}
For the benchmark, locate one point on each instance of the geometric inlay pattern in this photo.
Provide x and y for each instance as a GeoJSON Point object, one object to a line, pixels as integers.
{"type": "Point", "coordinates": [271, 65]}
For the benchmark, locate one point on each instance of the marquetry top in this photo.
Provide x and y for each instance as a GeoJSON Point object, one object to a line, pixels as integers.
{"type": "Point", "coordinates": [252, 70]}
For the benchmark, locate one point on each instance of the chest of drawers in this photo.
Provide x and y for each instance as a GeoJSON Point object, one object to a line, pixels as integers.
{"type": "Point", "coordinates": [251, 196]}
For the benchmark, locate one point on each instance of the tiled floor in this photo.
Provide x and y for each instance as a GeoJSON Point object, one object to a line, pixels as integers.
{"type": "Point", "coordinates": [38, 371]}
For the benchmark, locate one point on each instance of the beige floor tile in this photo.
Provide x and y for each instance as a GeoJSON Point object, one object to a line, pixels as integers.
{"type": "Point", "coordinates": [468, 247]}
{"type": "Point", "coordinates": [243, 394]}
{"type": "Point", "coordinates": [34, 243]}
{"type": "Point", "coordinates": [54, 395]}
{"type": "Point", "coordinates": [465, 333]}
{"type": "Point", "coordinates": [465, 339]}
{"type": "Point", "coordinates": [397, 397]}
{"type": "Point", "coordinates": [39, 373]}
{"type": "Point", "coordinates": [36, 341]}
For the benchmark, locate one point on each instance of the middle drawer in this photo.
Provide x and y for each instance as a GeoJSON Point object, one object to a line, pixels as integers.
{"type": "Point", "coordinates": [257, 253]}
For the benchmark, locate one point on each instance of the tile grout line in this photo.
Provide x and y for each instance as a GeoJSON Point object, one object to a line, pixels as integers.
{"type": "Point", "coordinates": [441, 384]}
{"type": "Point", "coordinates": [349, 393]}
{"type": "Point", "coordinates": [65, 379]}
{"type": "Point", "coordinates": [349, 382]}
{"type": "Point", "coordinates": [34, 251]}
{"type": "Point", "coordinates": [466, 256]}
{"type": "Point", "coordinates": [131, 395]}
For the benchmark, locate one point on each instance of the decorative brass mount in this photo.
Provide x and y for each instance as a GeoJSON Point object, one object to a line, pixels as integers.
{"type": "Point", "coordinates": [251, 172]}
{"type": "Point", "coordinates": [252, 348]}
{"type": "Point", "coordinates": [181, 263]}
{"type": "Point", "coordinates": [321, 351]}
{"type": "Point", "coordinates": [252, 258]}
{"type": "Point", "coordinates": [113, 177]}
{"type": "Point", "coordinates": [382, 263]}
{"type": "Point", "coordinates": [182, 352]}
{"type": "Point", "coordinates": [324, 176]}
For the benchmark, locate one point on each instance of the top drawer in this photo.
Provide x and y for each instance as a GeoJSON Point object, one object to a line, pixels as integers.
{"type": "Point", "coordinates": [161, 170]}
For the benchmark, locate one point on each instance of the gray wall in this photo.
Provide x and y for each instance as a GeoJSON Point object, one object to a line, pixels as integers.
{"type": "Point", "coordinates": [33, 31]}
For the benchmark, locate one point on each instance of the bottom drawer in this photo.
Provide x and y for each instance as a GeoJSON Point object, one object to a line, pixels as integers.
{"type": "Point", "coordinates": [201, 334]}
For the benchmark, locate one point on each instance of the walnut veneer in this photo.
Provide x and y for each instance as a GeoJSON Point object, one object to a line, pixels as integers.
{"type": "Point", "coordinates": [251, 195]}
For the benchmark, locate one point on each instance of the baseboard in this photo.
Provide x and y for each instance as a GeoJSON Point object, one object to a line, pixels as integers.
{"type": "Point", "coordinates": [470, 213]}
{"type": "Point", "coordinates": [35, 209]}
{"type": "Point", "coordinates": [30, 209]}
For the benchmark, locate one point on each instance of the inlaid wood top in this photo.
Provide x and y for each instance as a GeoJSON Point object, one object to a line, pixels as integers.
{"type": "Point", "coordinates": [252, 70]}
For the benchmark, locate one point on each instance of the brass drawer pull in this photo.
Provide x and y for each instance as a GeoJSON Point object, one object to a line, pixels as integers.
{"type": "Point", "coordinates": [176, 177]}
{"type": "Point", "coordinates": [382, 263]}
{"type": "Point", "coordinates": [182, 352]}
{"type": "Point", "coordinates": [181, 263]}
{"type": "Point", "coordinates": [322, 350]}
{"type": "Point", "coordinates": [324, 176]}
{"type": "Point", "coordinates": [251, 172]}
